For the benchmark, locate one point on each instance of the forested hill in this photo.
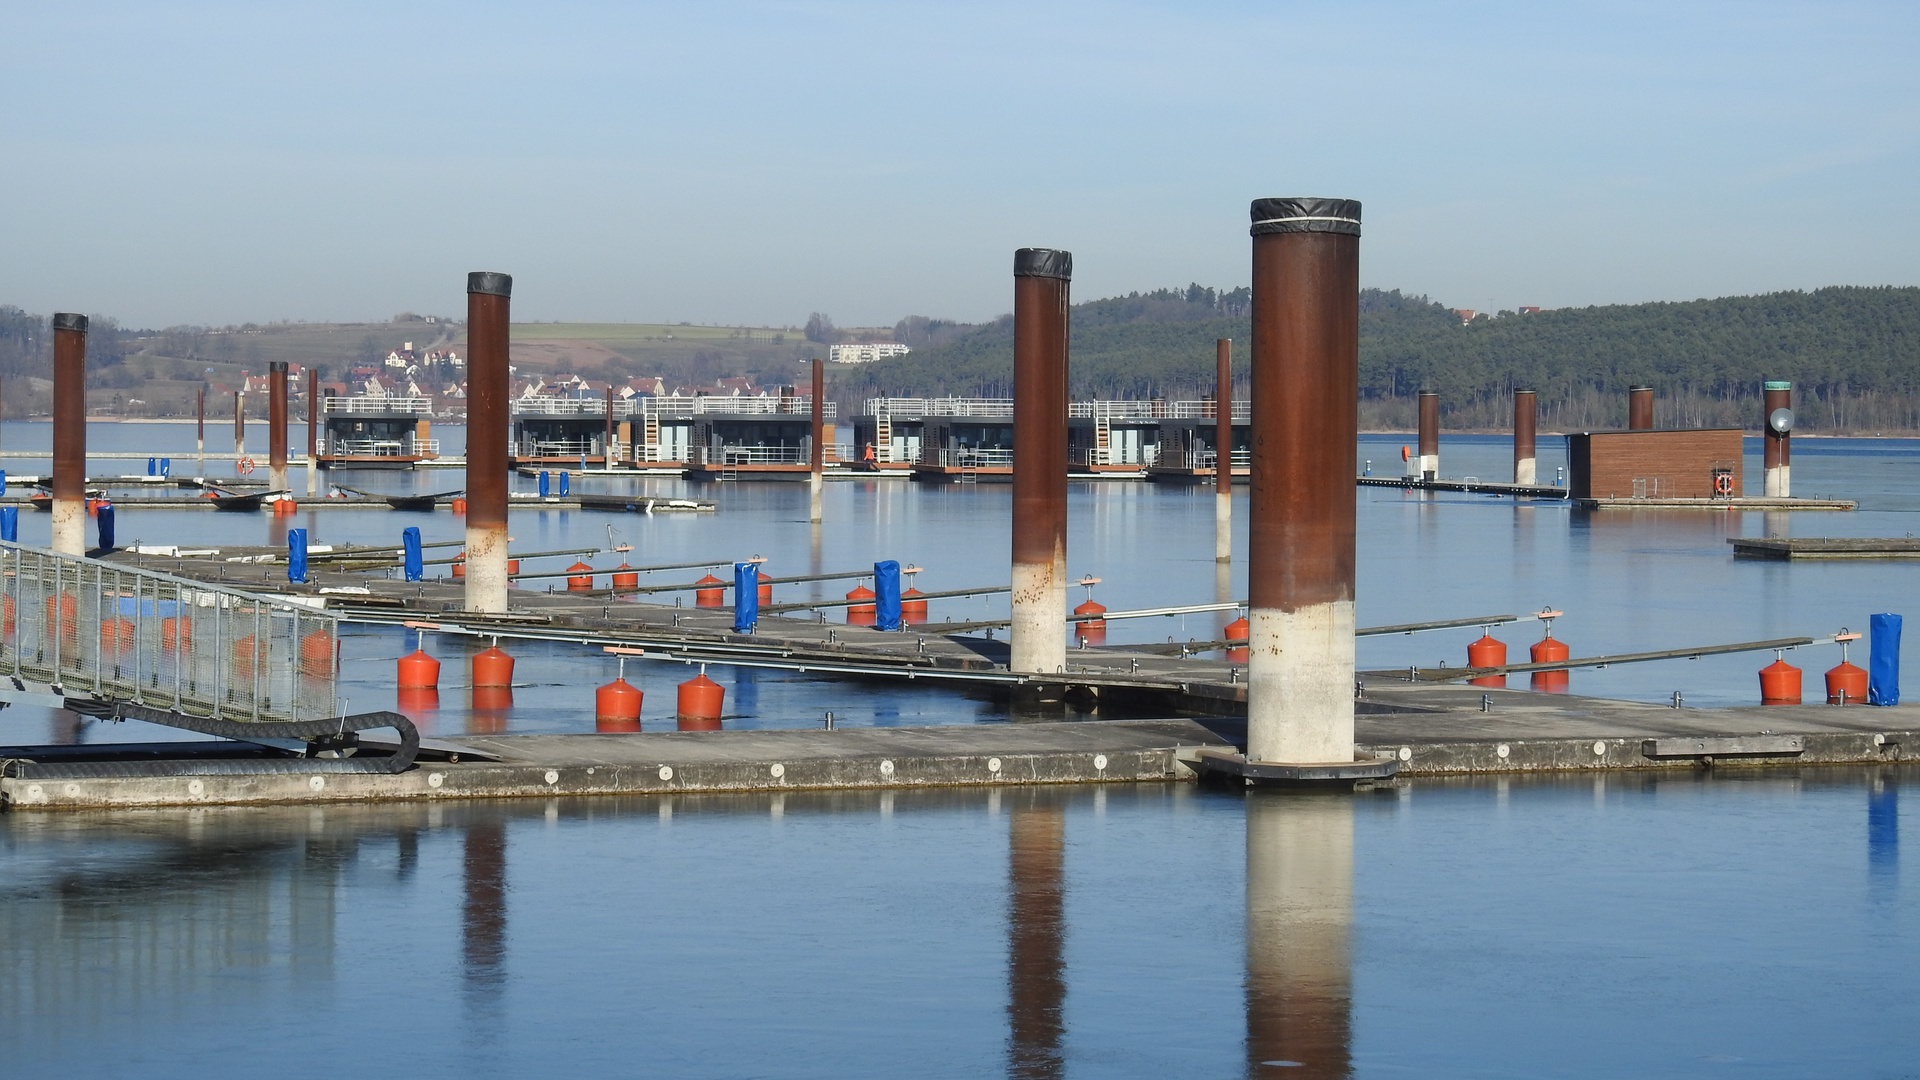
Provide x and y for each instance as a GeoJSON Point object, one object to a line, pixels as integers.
{"type": "Point", "coordinates": [1853, 354]}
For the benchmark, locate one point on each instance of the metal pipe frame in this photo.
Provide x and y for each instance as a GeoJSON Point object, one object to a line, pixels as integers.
{"type": "Point", "coordinates": [1306, 393]}
{"type": "Point", "coordinates": [1041, 288]}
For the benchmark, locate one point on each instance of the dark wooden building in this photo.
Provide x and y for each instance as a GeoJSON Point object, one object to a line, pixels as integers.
{"type": "Point", "coordinates": [1701, 464]}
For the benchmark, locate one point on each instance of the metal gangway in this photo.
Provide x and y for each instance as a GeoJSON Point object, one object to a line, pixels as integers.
{"type": "Point", "coordinates": [124, 643]}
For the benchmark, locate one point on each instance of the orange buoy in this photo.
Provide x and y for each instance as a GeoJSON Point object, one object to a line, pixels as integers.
{"type": "Point", "coordinates": [460, 565]}
{"type": "Point", "coordinates": [459, 506]}
{"type": "Point", "coordinates": [283, 507]}
{"type": "Point", "coordinates": [629, 580]}
{"type": "Point", "coordinates": [1237, 630]}
{"type": "Point", "coordinates": [616, 706]}
{"type": "Point", "coordinates": [246, 653]}
{"type": "Point", "coordinates": [10, 608]}
{"type": "Point", "coordinates": [1549, 650]}
{"type": "Point", "coordinates": [116, 633]}
{"type": "Point", "coordinates": [1847, 684]}
{"type": "Point", "coordinates": [912, 610]}
{"type": "Point", "coordinates": [700, 704]}
{"type": "Point", "coordinates": [176, 632]}
{"type": "Point", "coordinates": [1091, 631]}
{"type": "Point", "coordinates": [492, 668]}
{"type": "Point", "coordinates": [579, 582]}
{"type": "Point", "coordinates": [1489, 651]}
{"type": "Point", "coordinates": [710, 597]}
{"type": "Point", "coordinates": [419, 671]}
{"type": "Point", "coordinates": [513, 566]}
{"type": "Point", "coordinates": [317, 653]}
{"type": "Point", "coordinates": [766, 587]}
{"type": "Point", "coordinates": [862, 614]}
{"type": "Point", "coordinates": [1779, 684]}
{"type": "Point", "coordinates": [209, 495]}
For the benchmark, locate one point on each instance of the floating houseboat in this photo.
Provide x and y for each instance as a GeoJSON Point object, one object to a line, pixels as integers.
{"type": "Point", "coordinates": [584, 432]}
{"type": "Point", "coordinates": [724, 437]}
{"type": "Point", "coordinates": [1188, 450]}
{"type": "Point", "coordinates": [376, 432]}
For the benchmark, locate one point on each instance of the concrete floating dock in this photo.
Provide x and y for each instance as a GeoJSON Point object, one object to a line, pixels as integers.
{"type": "Point", "coordinates": [1481, 487]}
{"type": "Point", "coordinates": [1739, 502]}
{"type": "Point", "coordinates": [1826, 548]}
{"type": "Point", "coordinates": [1523, 733]}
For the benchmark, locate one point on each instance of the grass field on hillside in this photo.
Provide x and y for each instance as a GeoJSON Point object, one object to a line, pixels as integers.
{"type": "Point", "coordinates": [616, 335]}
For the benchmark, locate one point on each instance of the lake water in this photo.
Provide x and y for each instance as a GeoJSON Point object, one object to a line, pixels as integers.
{"type": "Point", "coordinates": [1628, 580]}
{"type": "Point", "coordinates": [1753, 923]}
{"type": "Point", "coordinates": [1742, 923]}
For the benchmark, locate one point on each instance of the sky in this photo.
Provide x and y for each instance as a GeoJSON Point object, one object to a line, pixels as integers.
{"type": "Point", "coordinates": [749, 163]}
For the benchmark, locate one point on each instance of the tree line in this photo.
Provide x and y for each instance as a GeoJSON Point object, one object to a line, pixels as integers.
{"type": "Point", "coordinates": [1853, 354]}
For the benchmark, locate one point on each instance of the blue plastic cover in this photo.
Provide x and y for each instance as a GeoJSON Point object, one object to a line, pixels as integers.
{"type": "Point", "coordinates": [746, 596]}
{"type": "Point", "coordinates": [545, 479]}
{"type": "Point", "coordinates": [296, 554]}
{"type": "Point", "coordinates": [104, 516]}
{"type": "Point", "coordinates": [1883, 670]}
{"type": "Point", "coordinates": [410, 551]}
{"type": "Point", "coordinates": [566, 483]}
{"type": "Point", "coordinates": [886, 595]}
{"type": "Point", "coordinates": [10, 524]}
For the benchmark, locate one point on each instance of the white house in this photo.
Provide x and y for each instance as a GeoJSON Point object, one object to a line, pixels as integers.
{"type": "Point", "coordinates": [866, 352]}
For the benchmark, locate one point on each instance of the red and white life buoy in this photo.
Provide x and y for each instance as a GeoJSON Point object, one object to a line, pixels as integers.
{"type": "Point", "coordinates": [1723, 483]}
{"type": "Point", "coordinates": [243, 466]}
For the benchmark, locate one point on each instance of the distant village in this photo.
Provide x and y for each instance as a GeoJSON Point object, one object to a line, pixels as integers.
{"type": "Point", "coordinates": [438, 376]}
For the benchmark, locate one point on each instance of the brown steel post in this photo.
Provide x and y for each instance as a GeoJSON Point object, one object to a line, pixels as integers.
{"type": "Point", "coordinates": [1223, 450]}
{"type": "Point", "coordinates": [277, 426]}
{"type": "Point", "coordinates": [488, 298]}
{"type": "Point", "coordinates": [1306, 394]}
{"type": "Point", "coordinates": [1429, 435]}
{"type": "Point", "coordinates": [1299, 934]}
{"type": "Point", "coordinates": [1526, 415]}
{"type": "Point", "coordinates": [1036, 937]}
{"type": "Point", "coordinates": [817, 461]}
{"type": "Point", "coordinates": [313, 431]}
{"type": "Point", "coordinates": [239, 426]}
{"type": "Point", "coordinates": [70, 433]}
{"type": "Point", "coordinates": [1777, 438]}
{"type": "Point", "coordinates": [1040, 299]}
{"type": "Point", "coordinates": [200, 429]}
{"type": "Point", "coordinates": [1639, 408]}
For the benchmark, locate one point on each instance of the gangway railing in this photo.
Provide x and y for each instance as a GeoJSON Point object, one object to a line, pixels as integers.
{"type": "Point", "coordinates": [123, 642]}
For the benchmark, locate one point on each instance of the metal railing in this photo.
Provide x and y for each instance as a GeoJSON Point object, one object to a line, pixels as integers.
{"type": "Point", "coordinates": [752, 455]}
{"type": "Point", "coordinates": [368, 405]}
{"type": "Point", "coordinates": [680, 405]}
{"type": "Point", "coordinates": [967, 457]}
{"type": "Point", "coordinates": [1204, 410]}
{"type": "Point", "coordinates": [541, 405]}
{"type": "Point", "coordinates": [556, 448]}
{"type": "Point", "coordinates": [378, 447]}
{"type": "Point", "coordinates": [89, 627]}
{"type": "Point", "coordinates": [1144, 457]}
{"type": "Point", "coordinates": [991, 407]}
{"type": "Point", "coordinates": [1204, 459]}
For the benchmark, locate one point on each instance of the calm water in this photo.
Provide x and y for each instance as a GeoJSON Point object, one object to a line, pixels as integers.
{"type": "Point", "coordinates": [1628, 581]}
{"type": "Point", "coordinates": [1758, 923]}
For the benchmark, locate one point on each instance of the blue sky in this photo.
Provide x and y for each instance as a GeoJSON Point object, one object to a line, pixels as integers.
{"type": "Point", "coordinates": [751, 162]}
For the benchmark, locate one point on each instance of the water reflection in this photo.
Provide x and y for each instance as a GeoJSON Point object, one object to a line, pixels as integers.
{"type": "Point", "coordinates": [1883, 829]}
{"type": "Point", "coordinates": [1299, 926]}
{"type": "Point", "coordinates": [1036, 934]}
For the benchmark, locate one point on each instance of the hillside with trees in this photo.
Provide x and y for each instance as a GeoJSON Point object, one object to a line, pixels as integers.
{"type": "Point", "coordinates": [1853, 354]}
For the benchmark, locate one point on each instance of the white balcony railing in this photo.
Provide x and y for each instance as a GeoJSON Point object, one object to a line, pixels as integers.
{"type": "Point", "coordinates": [538, 405]}
{"type": "Point", "coordinates": [680, 405]}
{"type": "Point", "coordinates": [1089, 457]}
{"type": "Point", "coordinates": [556, 448]}
{"type": "Point", "coordinates": [380, 447]}
{"type": "Point", "coordinates": [988, 407]}
{"type": "Point", "coordinates": [366, 405]}
{"type": "Point", "coordinates": [753, 455]}
{"type": "Point", "coordinates": [1204, 459]}
{"type": "Point", "coordinates": [968, 457]}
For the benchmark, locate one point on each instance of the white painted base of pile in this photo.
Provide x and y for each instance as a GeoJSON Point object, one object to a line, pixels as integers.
{"type": "Point", "coordinates": [1780, 482]}
{"type": "Point", "coordinates": [1300, 684]}
{"type": "Point", "coordinates": [1524, 471]}
{"type": "Point", "coordinates": [69, 527]}
{"type": "Point", "coordinates": [486, 564]}
{"type": "Point", "coordinates": [1039, 619]}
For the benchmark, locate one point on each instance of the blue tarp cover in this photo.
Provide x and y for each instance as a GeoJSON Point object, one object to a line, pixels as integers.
{"type": "Point", "coordinates": [746, 596]}
{"type": "Point", "coordinates": [886, 590]}
{"type": "Point", "coordinates": [1883, 669]}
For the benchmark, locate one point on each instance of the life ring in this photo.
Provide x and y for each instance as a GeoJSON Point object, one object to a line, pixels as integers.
{"type": "Point", "coordinates": [1723, 483]}
{"type": "Point", "coordinates": [243, 466]}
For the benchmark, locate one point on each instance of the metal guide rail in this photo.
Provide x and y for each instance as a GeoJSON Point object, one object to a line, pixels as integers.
{"type": "Point", "coordinates": [120, 642]}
